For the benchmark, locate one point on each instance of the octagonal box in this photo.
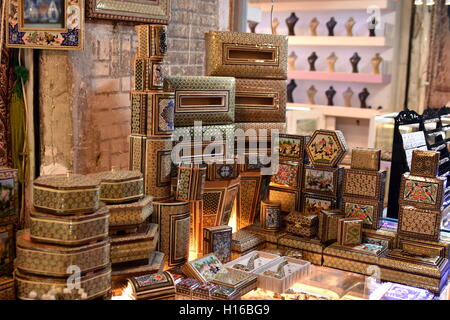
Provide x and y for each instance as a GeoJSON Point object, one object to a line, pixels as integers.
{"type": "Point", "coordinates": [326, 148]}
{"type": "Point", "coordinates": [120, 186]}
{"type": "Point", "coordinates": [130, 214]}
{"type": "Point", "coordinates": [66, 194]}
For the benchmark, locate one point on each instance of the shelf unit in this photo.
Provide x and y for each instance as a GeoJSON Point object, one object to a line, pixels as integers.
{"type": "Point", "coordinates": [338, 41]}
{"type": "Point", "coordinates": [336, 111]}
{"type": "Point", "coordinates": [340, 77]}
{"type": "Point", "coordinates": [319, 5]}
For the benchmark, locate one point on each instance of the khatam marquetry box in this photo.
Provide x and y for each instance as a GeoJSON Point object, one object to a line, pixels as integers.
{"type": "Point", "coordinates": [95, 285]}
{"type": "Point", "coordinates": [270, 236]}
{"type": "Point", "coordinates": [157, 286]}
{"type": "Point", "coordinates": [370, 211]}
{"type": "Point", "coordinates": [259, 127]}
{"type": "Point", "coordinates": [328, 224]}
{"type": "Point", "coordinates": [73, 230]}
{"type": "Point", "coordinates": [154, 263]}
{"type": "Point", "coordinates": [66, 194]}
{"type": "Point", "coordinates": [225, 293]}
{"type": "Point", "coordinates": [364, 184]}
{"type": "Point", "coordinates": [323, 180]}
{"type": "Point", "coordinates": [130, 214]}
{"type": "Point", "coordinates": [152, 41]}
{"type": "Point", "coordinates": [217, 240]}
{"type": "Point", "coordinates": [120, 186]}
{"type": "Point", "coordinates": [9, 190]}
{"type": "Point", "coordinates": [419, 223]}
{"type": "Point", "coordinates": [196, 228]}
{"type": "Point", "coordinates": [443, 244]}
{"type": "Point", "coordinates": [366, 159]}
{"type": "Point", "coordinates": [315, 203]}
{"type": "Point", "coordinates": [290, 198]}
{"type": "Point", "coordinates": [302, 225]}
{"type": "Point", "coordinates": [270, 215]}
{"type": "Point", "coordinates": [7, 248]}
{"type": "Point", "coordinates": [387, 237]}
{"type": "Point", "coordinates": [311, 249]}
{"type": "Point", "coordinates": [249, 198]}
{"type": "Point", "coordinates": [152, 114]}
{"type": "Point", "coordinates": [246, 55]}
{"type": "Point", "coordinates": [55, 260]}
{"type": "Point", "coordinates": [148, 74]}
{"type": "Point", "coordinates": [153, 158]}
{"type": "Point", "coordinates": [185, 287]}
{"type": "Point", "coordinates": [135, 247]}
{"type": "Point", "coordinates": [217, 171]}
{"type": "Point", "coordinates": [259, 100]}
{"type": "Point", "coordinates": [326, 148]}
{"type": "Point", "coordinates": [243, 241]}
{"type": "Point", "coordinates": [174, 220]}
{"type": "Point", "coordinates": [427, 272]}
{"type": "Point", "coordinates": [292, 147]}
{"type": "Point", "coordinates": [289, 174]}
{"type": "Point", "coordinates": [204, 291]}
{"type": "Point", "coordinates": [210, 100]}
{"type": "Point", "coordinates": [7, 290]}
{"type": "Point", "coordinates": [425, 163]}
{"type": "Point", "coordinates": [349, 231]}
{"type": "Point", "coordinates": [422, 192]}
{"type": "Point", "coordinates": [218, 202]}
{"type": "Point", "coordinates": [191, 182]}
{"type": "Point", "coordinates": [421, 249]}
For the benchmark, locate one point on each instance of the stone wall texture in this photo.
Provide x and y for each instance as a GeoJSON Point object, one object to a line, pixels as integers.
{"type": "Point", "coordinates": [85, 95]}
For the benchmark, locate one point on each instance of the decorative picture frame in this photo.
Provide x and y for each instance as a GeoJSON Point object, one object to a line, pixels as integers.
{"type": "Point", "coordinates": [42, 26]}
{"type": "Point", "coordinates": [155, 11]}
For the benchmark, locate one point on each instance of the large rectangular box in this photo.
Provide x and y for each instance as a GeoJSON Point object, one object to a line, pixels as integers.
{"type": "Point", "coordinates": [328, 224]}
{"type": "Point", "coordinates": [152, 114]}
{"type": "Point", "coordinates": [198, 98]}
{"type": "Point", "coordinates": [246, 55]}
{"type": "Point", "coordinates": [364, 184]}
{"type": "Point", "coordinates": [323, 180]}
{"type": "Point", "coordinates": [260, 100]}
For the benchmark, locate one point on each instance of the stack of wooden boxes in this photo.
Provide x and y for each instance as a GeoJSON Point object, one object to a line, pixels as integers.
{"type": "Point", "coordinates": [9, 208]}
{"type": "Point", "coordinates": [67, 243]}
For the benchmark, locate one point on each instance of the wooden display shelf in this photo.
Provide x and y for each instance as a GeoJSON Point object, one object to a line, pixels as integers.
{"type": "Point", "coordinates": [319, 5]}
{"type": "Point", "coordinates": [338, 41]}
{"type": "Point", "coordinates": [340, 77]}
{"type": "Point", "coordinates": [336, 111]}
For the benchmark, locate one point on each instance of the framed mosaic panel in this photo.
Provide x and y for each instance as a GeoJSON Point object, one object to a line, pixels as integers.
{"type": "Point", "coordinates": [6, 248]}
{"type": "Point", "coordinates": [147, 11]}
{"type": "Point", "coordinates": [370, 211]}
{"type": "Point", "coordinates": [322, 180]}
{"type": "Point", "coordinates": [419, 223]}
{"type": "Point", "coordinates": [9, 196]}
{"type": "Point", "coordinates": [422, 192]}
{"type": "Point", "coordinates": [326, 148]}
{"type": "Point", "coordinates": [45, 24]}
{"type": "Point", "coordinates": [314, 204]}
{"type": "Point", "coordinates": [289, 174]}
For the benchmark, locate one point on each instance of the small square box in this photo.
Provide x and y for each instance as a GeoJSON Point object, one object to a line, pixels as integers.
{"type": "Point", "coordinates": [349, 232]}
{"type": "Point", "coordinates": [328, 224]}
{"type": "Point", "coordinates": [425, 163]}
{"type": "Point", "coordinates": [422, 192]}
{"type": "Point", "coordinates": [366, 159]}
{"type": "Point", "coordinates": [313, 203]}
{"type": "Point", "coordinates": [292, 147]}
{"type": "Point", "coordinates": [364, 184]}
{"type": "Point", "coordinates": [419, 223]}
{"type": "Point", "coordinates": [370, 211]}
{"type": "Point", "coordinates": [323, 180]}
{"type": "Point", "coordinates": [289, 174]}
{"type": "Point", "coordinates": [302, 225]}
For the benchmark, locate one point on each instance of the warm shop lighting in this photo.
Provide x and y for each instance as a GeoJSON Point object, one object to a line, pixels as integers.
{"type": "Point", "coordinates": [233, 218]}
{"type": "Point", "coordinates": [126, 294]}
{"type": "Point", "coordinates": [430, 3]}
{"type": "Point", "coordinates": [418, 2]}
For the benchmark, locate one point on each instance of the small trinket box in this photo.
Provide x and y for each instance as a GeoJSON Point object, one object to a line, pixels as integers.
{"type": "Point", "coordinates": [349, 231]}
{"type": "Point", "coordinates": [289, 174]}
{"type": "Point", "coordinates": [130, 214]}
{"type": "Point", "coordinates": [328, 224]}
{"type": "Point", "coordinates": [370, 211]}
{"type": "Point", "coordinates": [313, 204]}
{"type": "Point", "coordinates": [293, 147]}
{"type": "Point", "coordinates": [186, 287]}
{"type": "Point", "coordinates": [422, 192]}
{"type": "Point", "coordinates": [302, 225]}
{"type": "Point", "coordinates": [243, 240]}
{"type": "Point", "coordinates": [326, 148]}
{"type": "Point", "coordinates": [425, 163]}
{"type": "Point", "coordinates": [120, 186]}
{"type": "Point", "coordinates": [9, 190]}
{"type": "Point", "coordinates": [366, 159]}
{"type": "Point", "coordinates": [217, 240]}
{"type": "Point", "coordinates": [270, 215]}
{"type": "Point", "coordinates": [364, 184]}
{"type": "Point", "coordinates": [419, 223]}
{"type": "Point", "coordinates": [157, 286]}
{"type": "Point", "coordinates": [323, 180]}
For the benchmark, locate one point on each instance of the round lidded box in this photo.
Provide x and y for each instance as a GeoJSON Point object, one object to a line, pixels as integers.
{"type": "Point", "coordinates": [120, 186]}
{"type": "Point", "coordinates": [70, 230]}
{"type": "Point", "coordinates": [66, 194]}
{"type": "Point", "coordinates": [54, 260]}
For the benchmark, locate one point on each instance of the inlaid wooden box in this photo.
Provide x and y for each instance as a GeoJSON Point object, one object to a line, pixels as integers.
{"type": "Point", "coordinates": [222, 171]}
{"type": "Point", "coordinates": [196, 228]}
{"type": "Point", "coordinates": [148, 74]}
{"type": "Point", "coordinates": [73, 230]}
{"type": "Point", "coordinates": [419, 223]}
{"type": "Point", "coordinates": [157, 286]}
{"type": "Point", "coordinates": [152, 157]}
{"type": "Point", "coordinates": [323, 180]}
{"type": "Point", "coordinates": [204, 291]}
{"type": "Point", "coordinates": [217, 240]}
{"type": "Point", "coordinates": [349, 231]}
{"type": "Point", "coordinates": [425, 163]}
{"type": "Point", "coordinates": [252, 184]}
{"type": "Point", "coordinates": [130, 214]}
{"type": "Point", "coordinates": [7, 290]}
{"type": "Point", "coordinates": [135, 247]}
{"type": "Point", "coordinates": [328, 224]}
{"type": "Point", "coordinates": [259, 100]}
{"type": "Point", "coordinates": [364, 184]}
{"type": "Point", "coordinates": [66, 194]}
{"type": "Point", "coordinates": [54, 260]}
{"type": "Point", "coordinates": [218, 201]}
{"type": "Point", "coordinates": [290, 198]}
{"type": "Point", "coordinates": [9, 189]}
{"type": "Point", "coordinates": [270, 215]}
{"type": "Point", "coordinates": [7, 248]}
{"type": "Point", "coordinates": [173, 218]}
{"type": "Point", "coordinates": [289, 174]}
{"type": "Point", "coordinates": [120, 186]}
{"type": "Point", "coordinates": [293, 147]}
{"type": "Point", "coordinates": [152, 41]}
{"type": "Point", "coordinates": [198, 98]}
{"type": "Point", "coordinates": [370, 211]}
{"type": "Point", "coordinates": [262, 128]}
{"type": "Point", "coordinates": [443, 244]}
{"type": "Point", "coordinates": [246, 55]}
{"type": "Point", "coordinates": [366, 159]}
{"type": "Point", "coordinates": [191, 182]}
{"type": "Point", "coordinates": [185, 288]}
{"type": "Point", "coordinates": [421, 249]}
{"type": "Point", "coordinates": [422, 192]}
{"type": "Point", "coordinates": [326, 148]}
{"type": "Point", "coordinates": [302, 225]}
{"type": "Point", "coordinates": [95, 285]}
{"type": "Point", "coordinates": [152, 114]}
{"type": "Point", "coordinates": [315, 203]}
{"type": "Point", "coordinates": [243, 241]}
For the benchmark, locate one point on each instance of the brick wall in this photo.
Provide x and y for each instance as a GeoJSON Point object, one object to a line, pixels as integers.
{"type": "Point", "coordinates": [85, 95]}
